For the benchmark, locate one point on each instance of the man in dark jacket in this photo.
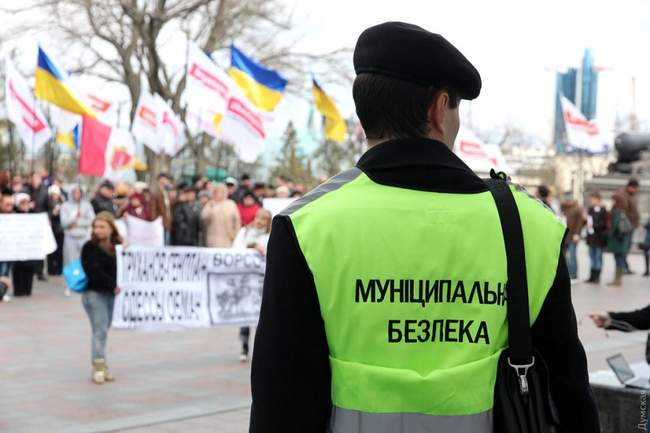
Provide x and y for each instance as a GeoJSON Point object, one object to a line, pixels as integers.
{"type": "Point", "coordinates": [596, 234]}
{"type": "Point", "coordinates": [185, 219]}
{"type": "Point", "coordinates": [103, 200]}
{"type": "Point", "coordinates": [40, 200]}
{"type": "Point", "coordinates": [406, 95]}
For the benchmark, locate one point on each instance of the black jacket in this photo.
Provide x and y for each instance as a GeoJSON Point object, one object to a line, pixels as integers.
{"type": "Point", "coordinates": [40, 198]}
{"type": "Point", "coordinates": [639, 319]}
{"type": "Point", "coordinates": [102, 204]}
{"type": "Point", "coordinates": [100, 268]}
{"type": "Point", "coordinates": [290, 376]}
{"type": "Point", "coordinates": [599, 221]}
{"type": "Point", "coordinates": [186, 224]}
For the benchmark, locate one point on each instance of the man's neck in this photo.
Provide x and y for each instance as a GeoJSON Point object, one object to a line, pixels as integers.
{"type": "Point", "coordinates": [375, 141]}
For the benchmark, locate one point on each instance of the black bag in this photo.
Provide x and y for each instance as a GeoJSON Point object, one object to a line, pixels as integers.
{"type": "Point", "coordinates": [522, 398]}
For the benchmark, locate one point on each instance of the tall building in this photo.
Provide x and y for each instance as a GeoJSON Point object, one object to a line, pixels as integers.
{"type": "Point", "coordinates": [579, 86]}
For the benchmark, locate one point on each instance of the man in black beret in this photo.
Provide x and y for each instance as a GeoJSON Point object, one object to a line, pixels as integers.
{"type": "Point", "coordinates": [355, 334]}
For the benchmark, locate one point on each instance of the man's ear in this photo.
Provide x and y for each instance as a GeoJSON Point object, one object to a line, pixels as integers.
{"type": "Point", "coordinates": [437, 112]}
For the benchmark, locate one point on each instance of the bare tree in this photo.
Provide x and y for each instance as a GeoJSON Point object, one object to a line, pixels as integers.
{"type": "Point", "coordinates": [123, 41]}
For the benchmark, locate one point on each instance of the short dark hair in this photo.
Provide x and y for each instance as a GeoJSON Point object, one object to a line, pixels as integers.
{"type": "Point", "coordinates": [595, 193]}
{"type": "Point", "coordinates": [633, 182]}
{"type": "Point", "coordinates": [388, 107]}
{"type": "Point", "coordinates": [543, 191]}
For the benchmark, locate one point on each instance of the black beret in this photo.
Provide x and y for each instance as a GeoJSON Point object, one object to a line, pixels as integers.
{"type": "Point", "coordinates": [410, 53]}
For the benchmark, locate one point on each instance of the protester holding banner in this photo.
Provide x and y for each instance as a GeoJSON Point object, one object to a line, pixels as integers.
{"type": "Point", "coordinates": [186, 219]}
{"type": "Point", "coordinates": [100, 265]}
{"type": "Point", "coordinates": [255, 235]}
{"type": "Point", "coordinates": [76, 218]}
{"type": "Point", "coordinates": [222, 219]}
{"type": "Point", "coordinates": [22, 273]}
{"type": "Point", "coordinates": [39, 197]}
{"type": "Point", "coordinates": [55, 260]}
{"type": "Point", "coordinates": [138, 206]}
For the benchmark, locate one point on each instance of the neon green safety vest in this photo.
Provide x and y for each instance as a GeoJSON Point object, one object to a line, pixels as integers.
{"type": "Point", "coordinates": [411, 290]}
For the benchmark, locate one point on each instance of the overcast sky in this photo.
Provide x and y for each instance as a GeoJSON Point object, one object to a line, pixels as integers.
{"type": "Point", "coordinates": [515, 45]}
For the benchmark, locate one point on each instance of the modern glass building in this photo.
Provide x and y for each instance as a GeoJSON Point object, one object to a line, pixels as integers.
{"type": "Point", "coordinates": [580, 86]}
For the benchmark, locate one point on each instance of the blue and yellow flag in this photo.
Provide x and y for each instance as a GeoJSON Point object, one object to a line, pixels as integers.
{"type": "Point", "coordinates": [334, 125]}
{"type": "Point", "coordinates": [70, 139]}
{"type": "Point", "coordinates": [52, 86]}
{"type": "Point", "coordinates": [261, 85]}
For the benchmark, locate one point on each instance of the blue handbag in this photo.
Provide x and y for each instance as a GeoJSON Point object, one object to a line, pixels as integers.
{"type": "Point", "coordinates": [75, 277]}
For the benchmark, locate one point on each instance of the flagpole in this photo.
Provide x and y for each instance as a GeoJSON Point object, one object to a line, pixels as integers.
{"type": "Point", "coordinates": [31, 163]}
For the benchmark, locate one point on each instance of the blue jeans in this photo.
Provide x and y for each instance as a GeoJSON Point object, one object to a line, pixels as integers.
{"type": "Point", "coordinates": [596, 258]}
{"type": "Point", "coordinates": [627, 246]}
{"type": "Point", "coordinates": [620, 261]}
{"type": "Point", "coordinates": [99, 308]}
{"type": "Point", "coordinates": [5, 268]}
{"type": "Point", "coordinates": [571, 260]}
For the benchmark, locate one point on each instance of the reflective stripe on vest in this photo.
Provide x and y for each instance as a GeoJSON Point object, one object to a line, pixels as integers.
{"type": "Point", "coordinates": [411, 289]}
{"type": "Point", "coordinates": [354, 421]}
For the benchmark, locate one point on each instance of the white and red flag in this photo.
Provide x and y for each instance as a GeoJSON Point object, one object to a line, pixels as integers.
{"type": "Point", "coordinates": [581, 133]}
{"type": "Point", "coordinates": [23, 112]}
{"type": "Point", "coordinates": [170, 128]}
{"type": "Point", "coordinates": [104, 150]}
{"type": "Point", "coordinates": [146, 122]}
{"type": "Point", "coordinates": [479, 156]}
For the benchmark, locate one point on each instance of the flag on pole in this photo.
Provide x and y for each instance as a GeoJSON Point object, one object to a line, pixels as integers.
{"type": "Point", "coordinates": [22, 111]}
{"type": "Point", "coordinates": [104, 150]}
{"type": "Point", "coordinates": [146, 121]}
{"type": "Point", "coordinates": [261, 85]}
{"type": "Point", "coordinates": [206, 93]}
{"type": "Point", "coordinates": [70, 139]}
{"type": "Point", "coordinates": [334, 125]}
{"type": "Point", "coordinates": [170, 128]}
{"type": "Point", "coordinates": [243, 127]}
{"type": "Point", "coordinates": [479, 156]}
{"type": "Point", "coordinates": [53, 85]}
{"type": "Point", "coordinates": [581, 133]}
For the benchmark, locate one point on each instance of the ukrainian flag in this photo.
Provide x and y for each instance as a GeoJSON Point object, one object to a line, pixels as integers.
{"type": "Point", "coordinates": [334, 127]}
{"type": "Point", "coordinates": [261, 85]}
{"type": "Point", "coordinates": [51, 85]}
{"type": "Point", "coordinates": [70, 139]}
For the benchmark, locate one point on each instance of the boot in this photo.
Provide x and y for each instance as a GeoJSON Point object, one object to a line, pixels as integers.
{"type": "Point", "coordinates": [107, 375]}
{"type": "Point", "coordinates": [618, 278]}
{"type": "Point", "coordinates": [592, 277]}
{"type": "Point", "coordinates": [597, 276]}
{"type": "Point", "coordinates": [99, 371]}
{"type": "Point", "coordinates": [647, 266]}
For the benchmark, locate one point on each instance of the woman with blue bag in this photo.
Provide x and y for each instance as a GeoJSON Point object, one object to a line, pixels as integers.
{"type": "Point", "coordinates": [100, 265]}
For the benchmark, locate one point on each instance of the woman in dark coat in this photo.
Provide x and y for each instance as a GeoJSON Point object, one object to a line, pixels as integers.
{"type": "Point", "coordinates": [616, 241]}
{"type": "Point", "coordinates": [22, 273]}
{"type": "Point", "coordinates": [55, 260]}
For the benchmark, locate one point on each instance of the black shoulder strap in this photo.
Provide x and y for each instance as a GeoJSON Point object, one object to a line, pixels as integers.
{"type": "Point", "coordinates": [519, 338]}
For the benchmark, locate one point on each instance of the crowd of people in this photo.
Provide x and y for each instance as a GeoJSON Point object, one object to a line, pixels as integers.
{"type": "Point", "coordinates": [225, 214]}
{"type": "Point", "coordinates": [604, 230]}
{"type": "Point", "coordinates": [197, 213]}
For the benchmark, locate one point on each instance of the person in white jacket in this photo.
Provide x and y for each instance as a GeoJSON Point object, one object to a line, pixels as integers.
{"type": "Point", "coordinates": [77, 217]}
{"type": "Point", "coordinates": [255, 235]}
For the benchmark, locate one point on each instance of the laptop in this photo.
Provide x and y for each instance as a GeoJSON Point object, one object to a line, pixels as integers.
{"type": "Point", "coordinates": [624, 373]}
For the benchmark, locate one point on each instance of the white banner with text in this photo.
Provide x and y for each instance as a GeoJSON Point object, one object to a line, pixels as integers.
{"type": "Point", "coordinates": [166, 288]}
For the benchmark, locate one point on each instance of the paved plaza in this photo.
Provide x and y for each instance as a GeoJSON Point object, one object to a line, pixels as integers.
{"type": "Point", "coordinates": [185, 381]}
